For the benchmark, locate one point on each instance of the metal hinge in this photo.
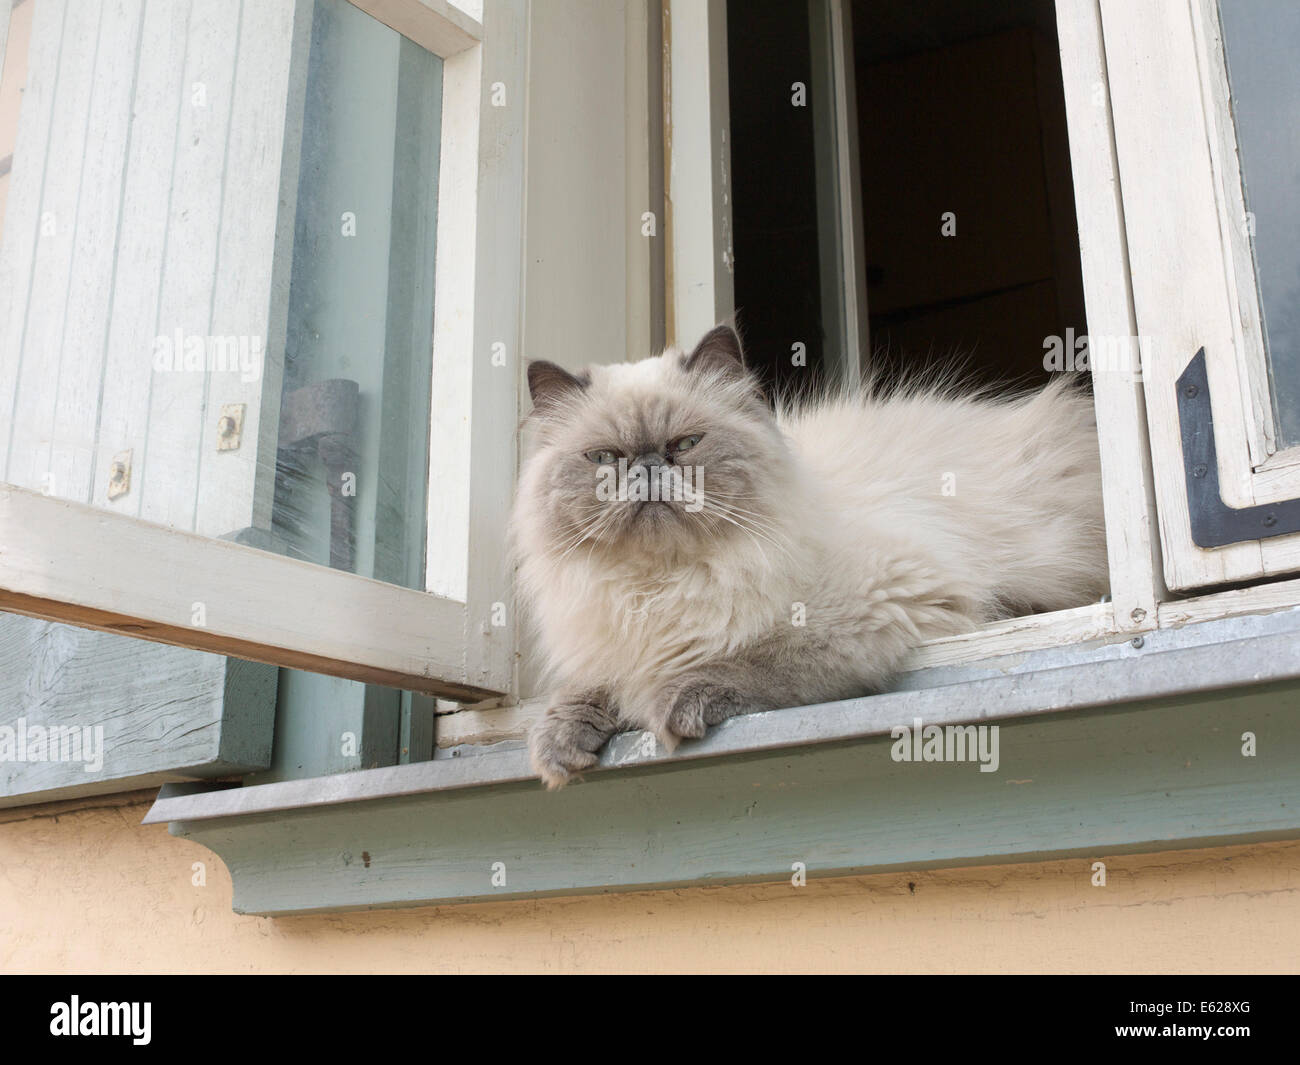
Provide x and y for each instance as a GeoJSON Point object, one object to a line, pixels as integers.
{"type": "Point", "coordinates": [1214, 523]}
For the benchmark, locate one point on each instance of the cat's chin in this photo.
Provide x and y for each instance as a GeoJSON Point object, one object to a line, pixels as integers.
{"type": "Point", "coordinates": [654, 512]}
{"type": "Point", "coordinates": [654, 528]}
{"type": "Point", "coordinates": [649, 524]}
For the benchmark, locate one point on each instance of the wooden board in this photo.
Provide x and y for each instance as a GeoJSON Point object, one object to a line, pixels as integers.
{"type": "Point", "coordinates": [74, 372]}
{"type": "Point", "coordinates": [22, 231]}
{"type": "Point", "coordinates": [93, 215]}
{"type": "Point", "coordinates": [68, 562]}
{"type": "Point", "coordinates": [1132, 539]}
{"type": "Point", "coordinates": [237, 486]}
{"type": "Point", "coordinates": [1157, 64]}
{"type": "Point", "coordinates": [166, 713]}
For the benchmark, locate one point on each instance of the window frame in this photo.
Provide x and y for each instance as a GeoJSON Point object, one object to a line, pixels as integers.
{"type": "Point", "coordinates": [699, 294]}
{"type": "Point", "coordinates": [434, 642]}
{"type": "Point", "coordinates": [1168, 59]}
{"type": "Point", "coordinates": [447, 639]}
{"type": "Point", "coordinates": [1030, 672]}
{"type": "Point", "coordinates": [1140, 600]}
{"type": "Point", "coordinates": [698, 64]}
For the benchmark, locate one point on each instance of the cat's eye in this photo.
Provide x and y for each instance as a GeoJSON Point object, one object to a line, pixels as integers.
{"type": "Point", "coordinates": [685, 443]}
{"type": "Point", "coordinates": [603, 456]}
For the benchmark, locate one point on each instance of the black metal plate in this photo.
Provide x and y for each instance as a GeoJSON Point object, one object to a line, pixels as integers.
{"type": "Point", "coordinates": [1214, 523]}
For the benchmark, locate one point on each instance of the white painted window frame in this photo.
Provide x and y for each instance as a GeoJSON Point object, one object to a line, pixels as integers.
{"type": "Point", "coordinates": [1193, 276]}
{"type": "Point", "coordinates": [86, 566]}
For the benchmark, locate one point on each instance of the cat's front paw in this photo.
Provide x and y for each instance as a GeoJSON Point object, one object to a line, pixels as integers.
{"type": "Point", "coordinates": [694, 705]}
{"type": "Point", "coordinates": [567, 739]}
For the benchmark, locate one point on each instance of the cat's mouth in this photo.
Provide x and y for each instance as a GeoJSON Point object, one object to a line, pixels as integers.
{"type": "Point", "coordinates": [651, 509]}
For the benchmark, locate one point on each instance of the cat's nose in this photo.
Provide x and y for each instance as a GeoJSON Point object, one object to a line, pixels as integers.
{"type": "Point", "coordinates": [650, 460]}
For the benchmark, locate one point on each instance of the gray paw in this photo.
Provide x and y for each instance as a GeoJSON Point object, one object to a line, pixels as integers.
{"type": "Point", "coordinates": [694, 706]}
{"type": "Point", "coordinates": [566, 741]}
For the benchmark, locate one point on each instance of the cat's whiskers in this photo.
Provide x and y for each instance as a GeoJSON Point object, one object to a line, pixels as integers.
{"type": "Point", "coordinates": [750, 524]}
{"type": "Point", "coordinates": [586, 530]}
{"type": "Point", "coordinates": [728, 503]}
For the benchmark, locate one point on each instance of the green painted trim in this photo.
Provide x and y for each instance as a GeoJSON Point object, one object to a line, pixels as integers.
{"type": "Point", "coordinates": [1140, 777]}
{"type": "Point", "coordinates": [165, 713]}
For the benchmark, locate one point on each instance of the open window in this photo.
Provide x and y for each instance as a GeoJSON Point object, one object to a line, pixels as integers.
{"type": "Point", "coordinates": [258, 342]}
{"type": "Point", "coordinates": [631, 239]}
{"type": "Point", "coordinates": [886, 186]}
{"type": "Point", "coordinates": [955, 121]}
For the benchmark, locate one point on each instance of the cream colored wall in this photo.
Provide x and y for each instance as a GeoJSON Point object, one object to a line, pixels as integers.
{"type": "Point", "coordinates": [89, 890]}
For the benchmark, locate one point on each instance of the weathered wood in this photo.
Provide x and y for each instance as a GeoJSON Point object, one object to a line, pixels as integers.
{"type": "Point", "coordinates": [181, 220]}
{"type": "Point", "coordinates": [165, 713]}
{"type": "Point", "coordinates": [478, 306]}
{"type": "Point", "coordinates": [110, 117]}
{"type": "Point", "coordinates": [1016, 635]}
{"type": "Point", "coordinates": [70, 562]}
{"type": "Point", "coordinates": [159, 94]}
{"type": "Point", "coordinates": [416, 731]}
{"type": "Point", "coordinates": [1142, 778]}
{"type": "Point", "coordinates": [74, 371]}
{"type": "Point", "coordinates": [50, 264]}
{"type": "Point", "coordinates": [1161, 60]}
{"type": "Point", "coordinates": [167, 479]}
{"type": "Point", "coordinates": [237, 487]}
{"type": "Point", "coordinates": [1132, 543]}
{"type": "Point", "coordinates": [22, 223]}
{"type": "Point", "coordinates": [1260, 599]}
{"type": "Point", "coordinates": [440, 27]}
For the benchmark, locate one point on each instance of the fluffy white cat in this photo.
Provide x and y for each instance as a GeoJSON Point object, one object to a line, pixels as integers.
{"type": "Point", "coordinates": [797, 556]}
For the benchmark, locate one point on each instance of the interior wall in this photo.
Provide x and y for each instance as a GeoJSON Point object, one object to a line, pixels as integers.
{"type": "Point", "coordinates": [90, 890]}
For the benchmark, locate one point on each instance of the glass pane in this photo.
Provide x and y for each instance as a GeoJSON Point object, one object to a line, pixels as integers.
{"type": "Point", "coordinates": [217, 261]}
{"type": "Point", "coordinates": [1261, 39]}
{"type": "Point", "coordinates": [360, 335]}
{"type": "Point", "coordinates": [358, 353]}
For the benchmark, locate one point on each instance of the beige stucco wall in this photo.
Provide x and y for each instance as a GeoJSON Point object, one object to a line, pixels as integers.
{"type": "Point", "coordinates": [89, 890]}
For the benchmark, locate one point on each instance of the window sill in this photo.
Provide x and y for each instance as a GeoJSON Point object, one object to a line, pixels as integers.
{"type": "Point", "coordinates": [1104, 748]}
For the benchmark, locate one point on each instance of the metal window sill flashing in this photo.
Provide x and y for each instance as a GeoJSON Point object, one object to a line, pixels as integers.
{"type": "Point", "coordinates": [1105, 748]}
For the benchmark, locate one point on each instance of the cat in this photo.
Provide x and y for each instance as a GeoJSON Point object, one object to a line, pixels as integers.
{"type": "Point", "coordinates": [800, 553]}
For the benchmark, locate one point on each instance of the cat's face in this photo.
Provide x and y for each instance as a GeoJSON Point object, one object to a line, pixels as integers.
{"type": "Point", "coordinates": [670, 454]}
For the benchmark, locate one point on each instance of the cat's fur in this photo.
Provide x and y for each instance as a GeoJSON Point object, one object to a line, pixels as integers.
{"type": "Point", "coordinates": [834, 537]}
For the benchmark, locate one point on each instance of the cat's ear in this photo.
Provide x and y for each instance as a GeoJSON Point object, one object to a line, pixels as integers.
{"type": "Point", "coordinates": [551, 385]}
{"type": "Point", "coordinates": [721, 353]}
{"type": "Point", "coordinates": [719, 350]}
